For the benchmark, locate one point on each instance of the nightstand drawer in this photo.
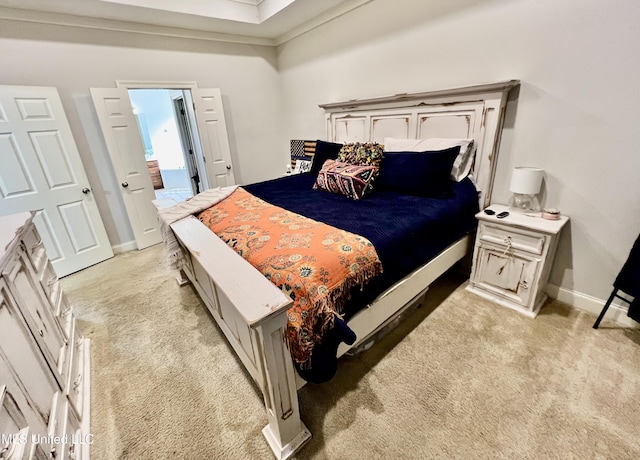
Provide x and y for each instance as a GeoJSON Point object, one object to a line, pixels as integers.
{"type": "Point", "coordinates": [508, 237]}
{"type": "Point", "coordinates": [511, 276]}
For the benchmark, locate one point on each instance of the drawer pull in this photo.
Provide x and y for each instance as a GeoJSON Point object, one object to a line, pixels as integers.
{"type": "Point", "coordinates": [507, 241]}
{"type": "Point", "coordinates": [77, 382]}
{"type": "Point", "coordinates": [38, 244]}
{"type": "Point", "coordinates": [41, 333]}
{"type": "Point", "coordinates": [524, 284]}
{"type": "Point", "coordinates": [53, 279]}
{"type": "Point", "coordinates": [67, 310]}
{"type": "Point", "coordinates": [53, 453]}
{"type": "Point", "coordinates": [79, 341]}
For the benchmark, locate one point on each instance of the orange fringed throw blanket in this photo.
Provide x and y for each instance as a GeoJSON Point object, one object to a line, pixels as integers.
{"type": "Point", "coordinates": [313, 263]}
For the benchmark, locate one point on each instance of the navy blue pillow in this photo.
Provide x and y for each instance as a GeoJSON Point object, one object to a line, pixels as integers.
{"type": "Point", "coordinates": [324, 151]}
{"type": "Point", "coordinates": [418, 173]}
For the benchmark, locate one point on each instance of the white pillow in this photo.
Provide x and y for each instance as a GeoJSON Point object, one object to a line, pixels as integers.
{"type": "Point", "coordinates": [461, 165]}
{"type": "Point", "coordinates": [302, 166]}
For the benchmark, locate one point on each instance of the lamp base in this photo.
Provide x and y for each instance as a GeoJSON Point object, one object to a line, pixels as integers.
{"type": "Point", "coordinates": [524, 203]}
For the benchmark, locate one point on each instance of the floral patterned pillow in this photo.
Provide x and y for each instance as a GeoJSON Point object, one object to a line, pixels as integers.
{"type": "Point", "coordinates": [370, 153]}
{"type": "Point", "coordinates": [353, 181]}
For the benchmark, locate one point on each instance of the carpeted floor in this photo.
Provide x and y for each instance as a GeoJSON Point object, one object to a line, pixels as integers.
{"type": "Point", "coordinates": [460, 378]}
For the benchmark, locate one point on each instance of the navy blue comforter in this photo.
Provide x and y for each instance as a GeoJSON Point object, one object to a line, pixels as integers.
{"type": "Point", "coordinates": [407, 231]}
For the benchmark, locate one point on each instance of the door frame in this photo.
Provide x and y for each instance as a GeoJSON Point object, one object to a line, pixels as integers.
{"type": "Point", "coordinates": [183, 86]}
{"type": "Point", "coordinates": [130, 84]}
{"type": "Point", "coordinates": [193, 157]}
{"type": "Point", "coordinates": [192, 87]}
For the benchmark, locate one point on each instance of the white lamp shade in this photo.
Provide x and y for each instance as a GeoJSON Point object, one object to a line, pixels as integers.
{"type": "Point", "coordinates": [526, 180]}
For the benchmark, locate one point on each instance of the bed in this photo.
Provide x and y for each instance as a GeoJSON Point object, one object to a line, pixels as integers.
{"type": "Point", "coordinates": [252, 312]}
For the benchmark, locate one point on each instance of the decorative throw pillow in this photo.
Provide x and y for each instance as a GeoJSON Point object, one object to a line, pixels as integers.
{"type": "Point", "coordinates": [353, 181]}
{"type": "Point", "coordinates": [324, 151]}
{"type": "Point", "coordinates": [302, 166]}
{"type": "Point", "coordinates": [462, 164]}
{"type": "Point", "coordinates": [369, 154]}
{"type": "Point", "coordinates": [422, 174]}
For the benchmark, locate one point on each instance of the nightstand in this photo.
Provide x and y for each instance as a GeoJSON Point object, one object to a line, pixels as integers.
{"type": "Point", "coordinates": [512, 258]}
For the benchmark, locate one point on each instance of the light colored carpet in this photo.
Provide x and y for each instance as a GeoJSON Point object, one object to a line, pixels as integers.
{"type": "Point", "coordinates": [460, 378]}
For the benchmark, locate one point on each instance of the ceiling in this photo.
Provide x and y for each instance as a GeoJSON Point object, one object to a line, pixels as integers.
{"type": "Point", "coordinates": [267, 22]}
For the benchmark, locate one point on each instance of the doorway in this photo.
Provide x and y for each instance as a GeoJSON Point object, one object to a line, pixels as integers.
{"type": "Point", "coordinates": [125, 142]}
{"type": "Point", "coordinates": [165, 121]}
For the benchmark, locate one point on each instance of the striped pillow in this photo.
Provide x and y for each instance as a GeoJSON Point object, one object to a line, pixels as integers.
{"type": "Point", "coordinates": [353, 181]}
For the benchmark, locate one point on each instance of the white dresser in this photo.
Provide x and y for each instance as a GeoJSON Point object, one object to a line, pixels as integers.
{"type": "Point", "coordinates": [44, 362]}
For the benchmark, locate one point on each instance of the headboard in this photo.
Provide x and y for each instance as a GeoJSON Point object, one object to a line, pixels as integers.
{"type": "Point", "coordinates": [472, 112]}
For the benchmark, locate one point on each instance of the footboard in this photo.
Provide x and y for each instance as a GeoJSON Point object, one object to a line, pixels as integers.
{"type": "Point", "coordinates": [252, 313]}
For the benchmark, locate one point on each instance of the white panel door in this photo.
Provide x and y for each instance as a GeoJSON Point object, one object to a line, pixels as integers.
{"type": "Point", "coordinates": [41, 170]}
{"type": "Point", "coordinates": [124, 144]}
{"type": "Point", "coordinates": [212, 129]}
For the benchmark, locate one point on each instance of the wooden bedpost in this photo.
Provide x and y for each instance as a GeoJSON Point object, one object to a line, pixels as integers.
{"type": "Point", "coordinates": [285, 432]}
{"type": "Point", "coordinates": [254, 321]}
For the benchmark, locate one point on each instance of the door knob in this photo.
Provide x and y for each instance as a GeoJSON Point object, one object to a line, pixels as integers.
{"type": "Point", "coordinates": [125, 184]}
{"type": "Point", "coordinates": [86, 190]}
{"type": "Point", "coordinates": [228, 166]}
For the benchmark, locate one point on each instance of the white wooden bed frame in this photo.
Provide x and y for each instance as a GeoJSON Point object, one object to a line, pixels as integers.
{"type": "Point", "coordinates": [251, 311]}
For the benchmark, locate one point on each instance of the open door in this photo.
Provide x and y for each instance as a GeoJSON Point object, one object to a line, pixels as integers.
{"type": "Point", "coordinates": [185, 131]}
{"type": "Point", "coordinates": [41, 170]}
{"type": "Point", "coordinates": [124, 144]}
{"type": "Point", "coordinates": [212, 129]}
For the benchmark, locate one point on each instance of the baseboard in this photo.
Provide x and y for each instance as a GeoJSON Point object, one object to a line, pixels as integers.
{"type": "Point", "coordinates": [124, 247]}
{"type": "Point", "coordinates": [617, 312]}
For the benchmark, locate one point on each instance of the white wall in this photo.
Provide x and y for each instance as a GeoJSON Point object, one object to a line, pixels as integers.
{"type": "Point", "coordinates": [156, 108]}
{"type": "Point", "coordinates": [577, 115]}
{"type": "Point", "coordinates": [74, 60]}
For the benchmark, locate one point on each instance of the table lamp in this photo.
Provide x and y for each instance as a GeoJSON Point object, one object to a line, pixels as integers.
{"type": "Point", "coordinates": [525, 185]}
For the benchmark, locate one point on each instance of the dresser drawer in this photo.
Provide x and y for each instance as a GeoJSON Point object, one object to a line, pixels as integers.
{"type": "Point", "coordinates": [50, 284]}
{"type": "Point", "coordinates": [36, 310]}
{"type": "Point", "coordinates": [65, 316]}
{"type": "Point", "coordinates": [64, 431]}
{"type": "Point", "coordinates": [509, 237]}
{"type": "Point", "coordinates": [34, 247]}
{"type": "Point", "coordinates": [58, 415]}
{"type": "Point", "coordinates": [13, 428]}
{"type": "Point", "coordinates": [78, 374]}
{"type": "Point", "coordinates": [16, 446]}
{"type": "Point", "coordinates": [22, 358]}
{"type": "Point", "coordinates": [74, 438]}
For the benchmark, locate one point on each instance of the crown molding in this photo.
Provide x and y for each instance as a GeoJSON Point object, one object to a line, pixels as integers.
{"type": "Point", "coordinates": [319, 20]}
{"type": "Point", "coordinates": [113, 25]}
{"type": "Point", "coordinates": [85, 22]}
